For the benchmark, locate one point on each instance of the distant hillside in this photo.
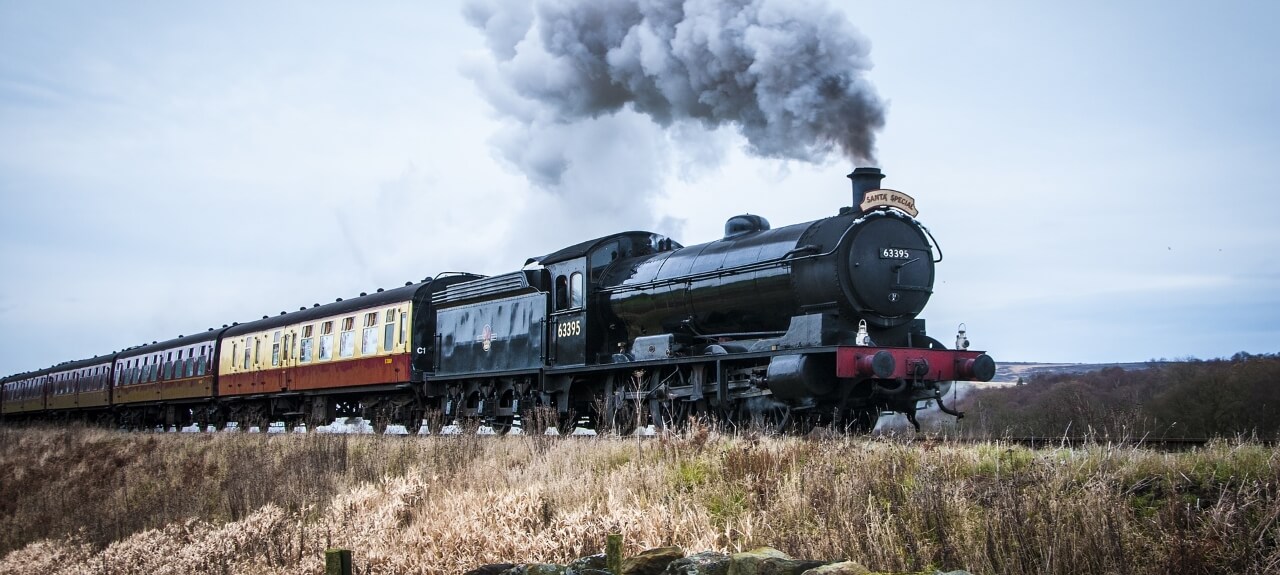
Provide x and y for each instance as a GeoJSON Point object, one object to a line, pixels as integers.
{"type": "Point", "coordinates": [1009, 372]}
{"type": "Point", "coordinates": [1224, 397]}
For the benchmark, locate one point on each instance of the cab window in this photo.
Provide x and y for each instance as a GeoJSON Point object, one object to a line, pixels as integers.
{"type": "Point", "coordinates": [575, 290]}
{"type": "Point", "coordinates": [562, 293]}
{"type": "Point", "coordinates": [602, 256]}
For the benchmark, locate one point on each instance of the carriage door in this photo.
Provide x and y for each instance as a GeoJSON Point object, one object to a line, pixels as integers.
{"type": "Point", "coordinates": [288, 357]}
{"type": "Point", "coordinates": [568, 317]}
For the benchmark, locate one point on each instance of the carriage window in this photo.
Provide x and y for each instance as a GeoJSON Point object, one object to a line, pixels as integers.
{"type": "Point", "coordinates": [326, 340]}
{"type": "Point", "coordinates": [575, 290]}
{"type": "Point", "coordinates": [246, 353]}
{"type": "Point", "coordinates": [275, 348]}
{"type": "Point", "coordinates": [304, 354]}
{"type": "Point", "coordinates": [404, 328]}
{"type": "Point", "coordinates": [191, 362]}
{"type": "Point", "coordinates": [347, 339]}
{"type": "Point", "coordinates": [562, 293]}
{"type": "Point", "coordinates": [370, 343]}
{"type": "Point", "coordinates": [389, 332]}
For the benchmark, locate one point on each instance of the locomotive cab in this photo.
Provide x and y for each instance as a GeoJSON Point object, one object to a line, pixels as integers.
{"type": "Point", "coordinates": [569, 329]}
{"type": "Point", "coordinates": [578, 331]}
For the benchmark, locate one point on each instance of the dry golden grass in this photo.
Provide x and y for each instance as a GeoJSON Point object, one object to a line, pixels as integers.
{"type": "Point", "coordinates": [89, 501]}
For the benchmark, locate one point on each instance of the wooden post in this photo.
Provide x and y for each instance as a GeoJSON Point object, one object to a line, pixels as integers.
{"type": "Point", "coordinates": [613, 553]}
{"type": "Point", "coordinates": [337, 562]}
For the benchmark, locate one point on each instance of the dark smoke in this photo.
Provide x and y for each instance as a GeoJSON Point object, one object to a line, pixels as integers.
{"type": "Point", "coordinates": [786, 74]}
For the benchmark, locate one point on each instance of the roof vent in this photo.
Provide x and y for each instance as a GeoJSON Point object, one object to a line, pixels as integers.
{"type": "Point", "coordinates": [379, 290]}
{"type": "Point", "coordinates": [408, 283]}
{"type": "Point", "coordinates": [281, 312]}
{"type": "Point", "coordinates": [338, 300]}
{"type": "Point", "coordinates": [362, 294]}
{"type": "Point", "coordinates": [265, 317]}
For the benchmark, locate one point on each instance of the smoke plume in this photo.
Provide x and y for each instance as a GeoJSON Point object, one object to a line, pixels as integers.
{"type": "Point", "coordinates": [787, 75]}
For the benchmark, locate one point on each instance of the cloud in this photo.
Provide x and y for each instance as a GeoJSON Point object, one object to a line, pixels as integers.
{"type": "Point", "coordinates": [597, 96]}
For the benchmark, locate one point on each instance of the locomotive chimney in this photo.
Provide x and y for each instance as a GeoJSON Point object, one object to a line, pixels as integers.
{"type": "Point", "coordinates": [864, 180]}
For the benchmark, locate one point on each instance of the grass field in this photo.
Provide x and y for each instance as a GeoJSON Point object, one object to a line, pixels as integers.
{"type": "Point", "coordinates": [93, 501]}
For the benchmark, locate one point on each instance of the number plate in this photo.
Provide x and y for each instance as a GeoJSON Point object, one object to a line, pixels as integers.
{"type": "Point", "coordinates": [894, 254]}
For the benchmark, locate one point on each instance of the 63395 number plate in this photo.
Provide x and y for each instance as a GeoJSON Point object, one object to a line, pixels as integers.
{"type": "Point", "coordinates": [894, 254]}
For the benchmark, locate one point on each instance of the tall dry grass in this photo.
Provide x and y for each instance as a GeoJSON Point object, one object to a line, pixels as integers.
{"type": "Point", "coordinates": [86, 501]}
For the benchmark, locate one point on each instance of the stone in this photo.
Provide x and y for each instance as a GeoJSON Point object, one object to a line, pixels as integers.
{"type": "Point", "coordinates": [705, 563]}
{"type": "Point", "coordinates": [494, 569]}
{"type": "Point", "coordinates": [768, 561]}
{"type": "Point", "coordinates": [589, 563]}
{"type": "Point", "coordinates": [652, 561]}
{"type": "Point", "coordinates": [841, 568]}
{"type": "Point", "coordinates": [544, 569]}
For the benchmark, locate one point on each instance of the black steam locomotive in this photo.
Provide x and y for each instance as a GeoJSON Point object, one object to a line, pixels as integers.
{"type": "Point", "coordinates": [804, 325]}
{"type": "Point", "coordinates": [809, 324]}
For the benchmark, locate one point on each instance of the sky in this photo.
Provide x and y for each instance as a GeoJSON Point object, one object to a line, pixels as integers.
{"type": "Point", "coordinates": [1101, 176]}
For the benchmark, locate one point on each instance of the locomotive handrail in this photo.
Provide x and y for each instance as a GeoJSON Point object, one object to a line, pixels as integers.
{"type": "Point", "coordinates": [757, 266]}
{"type": "Point", "coordinates": [932, 241]}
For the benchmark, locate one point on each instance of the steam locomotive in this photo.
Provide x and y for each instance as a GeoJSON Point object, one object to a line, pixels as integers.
{"type": "Point", "coordinates": [789, 328]}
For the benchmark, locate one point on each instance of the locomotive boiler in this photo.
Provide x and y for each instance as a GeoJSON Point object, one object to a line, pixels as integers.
{"type": "Point", "coordinates": [875, 266]}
